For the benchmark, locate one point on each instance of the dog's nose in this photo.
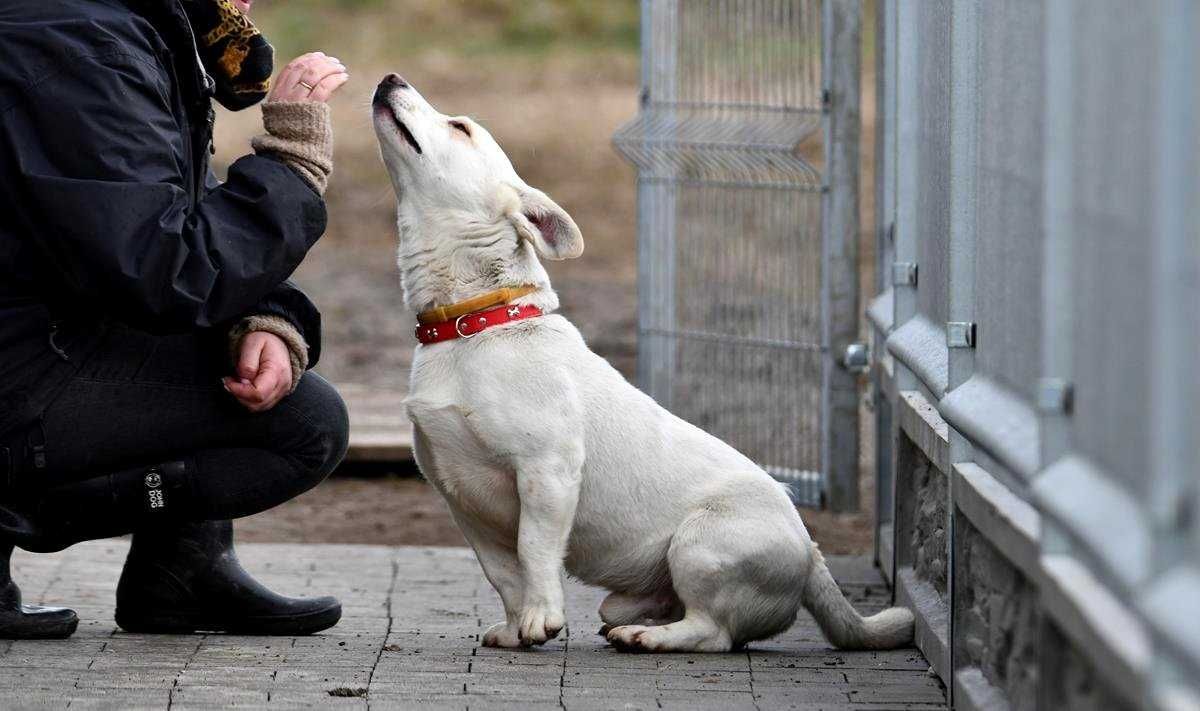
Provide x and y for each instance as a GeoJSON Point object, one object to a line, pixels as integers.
{"type": "Point", "coordinates": [391, 83]}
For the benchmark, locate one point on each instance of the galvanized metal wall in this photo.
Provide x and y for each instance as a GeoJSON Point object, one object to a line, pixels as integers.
{"type": "Point", "coordinates": [746, 148]}
{"type": "Point", "coordinates": [1037, 384]}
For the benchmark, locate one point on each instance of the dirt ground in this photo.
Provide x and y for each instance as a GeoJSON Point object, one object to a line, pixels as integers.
{"type": "Point", "coordinates": [387, 510]}
{"type": "Point", "coordinates": [552, 80]}
{"type": "Point", "coordinates": [398, 508]}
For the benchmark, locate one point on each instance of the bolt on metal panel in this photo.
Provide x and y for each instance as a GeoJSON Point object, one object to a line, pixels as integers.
{"type": "Point", "coordinates": [730, 158]}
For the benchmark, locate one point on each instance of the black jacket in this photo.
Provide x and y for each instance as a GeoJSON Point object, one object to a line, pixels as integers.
{"type": "Point", "coordinates": [108, 211]}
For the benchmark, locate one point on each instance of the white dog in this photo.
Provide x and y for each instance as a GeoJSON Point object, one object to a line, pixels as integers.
{"type": "Point", "coordinates": [549, 460]}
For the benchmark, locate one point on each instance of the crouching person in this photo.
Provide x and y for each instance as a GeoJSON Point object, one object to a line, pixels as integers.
{"type": "Point", "coordinates": [152, 353]}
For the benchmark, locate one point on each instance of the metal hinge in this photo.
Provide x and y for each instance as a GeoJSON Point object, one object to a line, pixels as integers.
{"type": "Point", "coordinates": [857, 358]}
{"type": "Point", "coordinates": [1055, 396]}
{"type": "Point", "coordinates": [960, 334]}
{"type": "Point", "coordinates": [904, 273]}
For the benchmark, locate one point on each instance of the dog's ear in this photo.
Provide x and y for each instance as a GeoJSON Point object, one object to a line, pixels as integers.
{"type": "Point", "coordinates": [548, 227]}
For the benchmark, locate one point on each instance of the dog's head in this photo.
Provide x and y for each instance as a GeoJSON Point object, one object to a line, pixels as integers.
{"type": "Point", "coordinates": [452, 178]}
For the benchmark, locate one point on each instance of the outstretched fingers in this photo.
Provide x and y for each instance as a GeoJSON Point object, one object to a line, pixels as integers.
{"type": "Point", "coordinates": [325, 88]}
{"type": "Point", "coordinates": [310, 77]}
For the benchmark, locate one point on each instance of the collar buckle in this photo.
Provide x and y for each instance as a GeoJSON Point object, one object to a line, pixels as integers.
{"type": "Point", "coordinates": [458, 327]}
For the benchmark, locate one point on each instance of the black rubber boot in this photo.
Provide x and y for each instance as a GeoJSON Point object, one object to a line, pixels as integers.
{"type": "Point", "coordinates": [19, 621]}
{"type": "Point", "coordinates": [100, 507]}
{"type": "Point", "coordinates": [188, 579]}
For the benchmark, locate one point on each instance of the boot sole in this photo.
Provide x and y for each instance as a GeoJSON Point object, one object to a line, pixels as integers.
{"type": "Point", "coordinates": [38, 624]}
{"type": "Point", "coordinates": [282, 625]}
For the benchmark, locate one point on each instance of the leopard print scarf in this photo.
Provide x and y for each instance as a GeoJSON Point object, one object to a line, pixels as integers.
{"type": "Point", "coordinates": [233, 51]}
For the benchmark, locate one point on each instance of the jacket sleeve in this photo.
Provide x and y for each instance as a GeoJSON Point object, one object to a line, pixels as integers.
{"type": "Point", "coordinates": [288, 302]}
{"type": "Point", "coordinates": [104, 188]}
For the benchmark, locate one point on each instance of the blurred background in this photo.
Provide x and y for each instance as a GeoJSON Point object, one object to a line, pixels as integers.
{"type": "Point", "coordinates": [551, 79]}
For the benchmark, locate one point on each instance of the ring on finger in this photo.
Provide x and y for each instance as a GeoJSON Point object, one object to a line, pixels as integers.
{"type": "Point", "coordinates": [306, 85]}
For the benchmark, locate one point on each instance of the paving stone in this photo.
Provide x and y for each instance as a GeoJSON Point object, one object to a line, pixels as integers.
{"type": "Point", "coordinates": [611, 704]}
{"type": "Point", "coordinates": [409, 639]}
{"type": "Point", "coordinates": [707, 702]}
{"type": "Point", "coordinates": [877, 694]}
{"type": "Point", "coordinates": [608, 682]}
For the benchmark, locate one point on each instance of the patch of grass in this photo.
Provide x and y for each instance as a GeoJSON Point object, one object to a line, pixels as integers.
{"type": "Point", "coordinates": [584, 23]}
{"type": "Point", "coordinates": [390, 30]}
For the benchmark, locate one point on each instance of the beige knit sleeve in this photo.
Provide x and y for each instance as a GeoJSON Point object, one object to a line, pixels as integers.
{"type": "Point", "coordinates": [297, 347]}
{"type": "Point", "coordinates": [301, 134]}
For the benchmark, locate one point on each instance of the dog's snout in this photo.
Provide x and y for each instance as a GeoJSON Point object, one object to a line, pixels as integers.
{"type": "Point", "coordinates": [391, 83]}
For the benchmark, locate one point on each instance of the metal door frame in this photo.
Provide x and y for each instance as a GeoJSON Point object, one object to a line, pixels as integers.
{"type": "Point", "coordinates": [841, 62]}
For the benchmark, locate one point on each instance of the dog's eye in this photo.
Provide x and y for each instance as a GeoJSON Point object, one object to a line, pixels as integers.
{"type": "Point", "coordinates": [461, 126]}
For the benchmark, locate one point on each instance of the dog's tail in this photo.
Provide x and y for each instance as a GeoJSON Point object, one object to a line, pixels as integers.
{"type": "Point", "coordinates": [842, 624]}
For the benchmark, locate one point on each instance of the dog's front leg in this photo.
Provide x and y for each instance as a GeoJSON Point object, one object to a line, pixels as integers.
{"type": "Point", "coordinates": [548, 487]}
{"type": "Point", "coordinates": [500, 567]}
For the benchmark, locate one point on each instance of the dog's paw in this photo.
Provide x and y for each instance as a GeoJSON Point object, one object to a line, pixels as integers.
{"type": "Point", "coordinates": [677, 637]}
{"type": "Point", "coordinates": [503, 635]}
{"type": "Point", "coordinates": [630, 638]}
{"type": "Point", "coordinates": [540, 624]}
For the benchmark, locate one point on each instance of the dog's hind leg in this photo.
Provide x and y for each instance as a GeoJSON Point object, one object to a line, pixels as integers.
{"type": "Point", "coordinates": [699, 630]}
{"type": "Point", "coordinates": [737, 569]}
{"type": "Point", "coordinates": [624, 609]}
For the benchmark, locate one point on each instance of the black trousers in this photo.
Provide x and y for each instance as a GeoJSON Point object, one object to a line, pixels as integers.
{"type": "Point", "coordinates": [142, 399]}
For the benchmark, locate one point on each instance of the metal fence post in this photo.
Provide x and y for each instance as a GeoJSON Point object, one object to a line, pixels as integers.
{"type": "Point", "coordinates": [885, 255]}
{"type": "Point", "coordinates": [841, 64]}
{"type": "Point", "coordinates": [656, 210]}
{"type": "Point", "coordinates": [907, 173]}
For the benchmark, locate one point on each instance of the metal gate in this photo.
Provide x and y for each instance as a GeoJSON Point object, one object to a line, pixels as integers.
{"type": "Point", "coordinates": [746, 146]}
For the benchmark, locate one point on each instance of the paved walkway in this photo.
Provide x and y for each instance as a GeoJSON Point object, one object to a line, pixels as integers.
{"type": "Point", "coordinates": [410, 639]}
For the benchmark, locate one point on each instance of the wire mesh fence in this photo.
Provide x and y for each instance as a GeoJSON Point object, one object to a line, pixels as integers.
{"type": "Point", "coordinates": [729, 151]}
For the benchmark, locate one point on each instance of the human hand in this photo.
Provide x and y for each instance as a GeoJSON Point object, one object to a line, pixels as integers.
{"type": "Point", "coordinates": [264, 372]}
{"type": "Point", "coordinates": [243, 5]}
{"type": "Point", "coordinates": [309, 77]}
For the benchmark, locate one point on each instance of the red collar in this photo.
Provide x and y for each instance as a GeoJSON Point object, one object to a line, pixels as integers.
{"type": "Point", "coordinates": [471, 324]}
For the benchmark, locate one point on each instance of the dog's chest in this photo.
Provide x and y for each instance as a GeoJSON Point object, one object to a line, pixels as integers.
{"type": "Point", "coordinates": [450, 455]}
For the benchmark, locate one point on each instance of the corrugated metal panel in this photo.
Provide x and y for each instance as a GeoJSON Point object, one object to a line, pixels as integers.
{"type": "Point", "coordinates": [1058, 144]}
{"type": "Point", "coordinates": [933, 159]}
{"type": "Point", "coordinates": [1008, 249]}
{"type": "Point", "coordinates": [1113, 164]}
